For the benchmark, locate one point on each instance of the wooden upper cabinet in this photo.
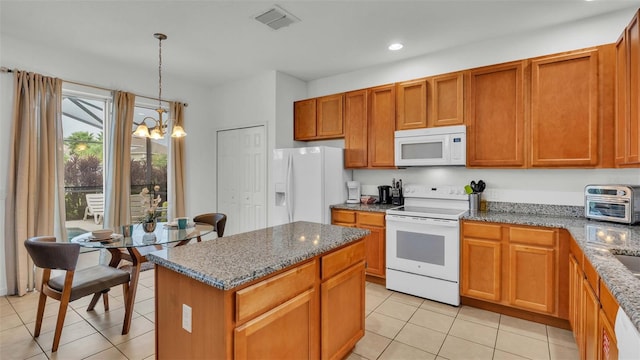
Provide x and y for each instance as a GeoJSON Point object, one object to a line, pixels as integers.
{"type": "Point", "coordinates": [633, 46]}
{"type": "Point", "coordinates": [304, 119]}
{"type": "Point", "coordinates": [564, 110]}
{"type": "Point", "coordinates": [622, 109]}
{"type": "Point", "coordinates": [330, 116]}
{"type": "Point", "coordinates": [411, 105]}
{"type": "Point", "coordinates": [495, 110]}
{"type": "Point", "coordinates": [447, 100]}
{"type": "Point", "coordinates": [355, 131]}
{"type": "Point", "coordinates": [319, 118]}
{"type": "Point", "coordinates": [627, 140]}
{"type": "Point", "coordinates": [381, 126]}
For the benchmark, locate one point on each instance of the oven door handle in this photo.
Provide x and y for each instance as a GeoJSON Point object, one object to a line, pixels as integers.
{"type": "Point", "coordinates": [421, 220]}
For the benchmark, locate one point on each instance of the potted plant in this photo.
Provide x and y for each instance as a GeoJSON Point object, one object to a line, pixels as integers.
{"type": "Point", "coordinates": [150, 205]}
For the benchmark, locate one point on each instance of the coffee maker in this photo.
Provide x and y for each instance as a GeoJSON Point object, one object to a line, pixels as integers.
{"type": "Point", "coordinates": [353, 196]}
{"type": "Point", "coordinates": [384, 194]}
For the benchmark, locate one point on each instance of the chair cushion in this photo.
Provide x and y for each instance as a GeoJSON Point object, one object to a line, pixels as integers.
{"type": "Point", "coordinates": [91, 280]}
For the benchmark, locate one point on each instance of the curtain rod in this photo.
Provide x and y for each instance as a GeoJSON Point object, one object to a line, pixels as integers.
{"type": "Point", "coordinates": [7, 70]}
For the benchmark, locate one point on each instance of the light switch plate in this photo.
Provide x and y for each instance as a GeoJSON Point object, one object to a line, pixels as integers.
{"type": "Point", "coordinates": [186, 317]}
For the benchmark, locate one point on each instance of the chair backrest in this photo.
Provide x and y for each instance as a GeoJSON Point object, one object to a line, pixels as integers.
{"type": "Point", "coordinates": [49, 254]}
{"type": "Point", "coordinates": [95, 202]}
{"type": "Point", "coordinates": [218, 220]}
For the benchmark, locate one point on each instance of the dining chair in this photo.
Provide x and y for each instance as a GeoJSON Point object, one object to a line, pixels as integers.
{"type": "Point", "coordinates": [218, 220]}
{"type": "Point", "coordinates": [48, 255]}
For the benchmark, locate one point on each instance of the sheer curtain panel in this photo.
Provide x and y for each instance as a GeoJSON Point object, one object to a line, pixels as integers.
{"type": "Point", "coordinates": [35, 184]}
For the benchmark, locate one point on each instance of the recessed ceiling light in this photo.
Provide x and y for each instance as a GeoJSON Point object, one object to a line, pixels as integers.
{"type": "Point", "coordinates": [395, 46]}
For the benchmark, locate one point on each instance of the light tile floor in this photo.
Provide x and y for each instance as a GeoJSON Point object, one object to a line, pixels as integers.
{"type": "Point", "coordinates": [398, 326]}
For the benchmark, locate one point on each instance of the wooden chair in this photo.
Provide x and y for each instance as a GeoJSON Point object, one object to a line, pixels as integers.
{"type": "Point", "coordinates": [218, 220]}
{"type": "Point", "coordinates": [97, 280]}
{"type": "Point", "coordinates": [95, 207]}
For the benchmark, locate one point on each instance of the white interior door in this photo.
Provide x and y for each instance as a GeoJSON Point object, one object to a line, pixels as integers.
{"type": "Point", "coordinates": [242, 178]}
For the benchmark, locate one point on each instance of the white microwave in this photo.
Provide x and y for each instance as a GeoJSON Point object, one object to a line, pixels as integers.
{"type": "Point", "coordinates": [439, 146]}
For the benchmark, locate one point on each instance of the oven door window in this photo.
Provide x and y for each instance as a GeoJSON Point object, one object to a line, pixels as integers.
{"type": "Point", "coordinates": [425, 248]}
{"type": "Point", "coordinates": [612, 210]}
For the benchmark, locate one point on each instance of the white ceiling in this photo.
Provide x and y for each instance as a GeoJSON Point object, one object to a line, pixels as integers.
{"type": "Point", "coordinates": [213, 42]}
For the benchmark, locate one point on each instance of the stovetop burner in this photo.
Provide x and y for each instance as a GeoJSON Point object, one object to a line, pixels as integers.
{"type": "Point", "coordinates": [439, 202]}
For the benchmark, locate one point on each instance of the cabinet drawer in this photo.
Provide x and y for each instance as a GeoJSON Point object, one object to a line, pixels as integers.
{"type": "Point", "coordinates": [371, 219]}
{"type": "Point", "coordinates": [339, 260]}
{"type": "Point", "coordinates": [481, 230]}
{"type": "Point", "coordinates": [343, 216]}
{"type": "Point", "coordinates": [543, 237]}
{"type": "Point", "coordinates": [267, 294]}
{"type": "Point", "coordinates": [609, 303]}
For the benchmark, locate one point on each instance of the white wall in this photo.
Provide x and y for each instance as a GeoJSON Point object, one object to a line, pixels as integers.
{"type": "Point", "coordinates": [561, 187]}
{"type": "Point", "coordinates": [101, 72]}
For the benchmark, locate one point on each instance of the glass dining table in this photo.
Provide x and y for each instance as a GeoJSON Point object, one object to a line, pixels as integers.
{"type": "Point", "coordinates": [134, 249]}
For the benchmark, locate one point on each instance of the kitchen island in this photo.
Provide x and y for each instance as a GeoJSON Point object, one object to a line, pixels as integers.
{"type": "Point", "coordinates": [289, 291]}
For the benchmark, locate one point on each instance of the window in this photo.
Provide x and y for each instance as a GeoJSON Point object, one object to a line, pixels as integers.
{"type": "Point", "coordinates": [83, 118]}
{"type": "Point", "coordinates": [85, 112]}
{"type": "Point", "coordinates": [149, 162]}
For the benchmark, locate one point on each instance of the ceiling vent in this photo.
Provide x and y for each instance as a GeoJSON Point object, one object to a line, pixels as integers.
{"type": "Point", "coordinates": [277, 18]}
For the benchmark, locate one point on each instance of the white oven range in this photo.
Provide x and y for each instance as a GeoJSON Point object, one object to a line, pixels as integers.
{"type": "Point", "coordinates": [423, 242]}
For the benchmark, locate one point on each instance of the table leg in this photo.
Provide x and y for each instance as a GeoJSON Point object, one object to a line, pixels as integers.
{"type": "Point", "coordinates": [137, 259]}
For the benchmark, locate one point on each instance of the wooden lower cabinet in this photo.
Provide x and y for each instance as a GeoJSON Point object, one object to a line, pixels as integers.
{"type": "Point", "coordinates": [513, 266]}
{"type": "Point", "coordinates": [481, 269]}
{"type": "Point", "coordinates": [342, 327]}
{"type": "Point", "coordinates": [272, 335]}
{"type": "Point", "coordinates": [374, 242]}
{"type": "Point", "coordinates": [592, 310]}
{"type": "Point", "coordinates": [309, 311]}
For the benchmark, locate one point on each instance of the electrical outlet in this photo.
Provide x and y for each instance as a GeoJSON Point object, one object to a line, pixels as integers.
{"type": "Point", "coordinates": [186, 317]}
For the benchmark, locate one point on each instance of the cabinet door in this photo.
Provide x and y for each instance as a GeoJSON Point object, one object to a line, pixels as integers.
{"type": "Point", "coordinates": [532, 278]}
{"type": "Point", "coordinates": [481, 265]}
{"type": "Point", "coordinates": [355, 132]}
{"type": "Point", "coordinates": [495, 123]}
{"type": "Point", "coordinates": [330, 117]}
{"type": "Point", "coordinates": [304, 119]}
{"type": "Point", "coordinates": [287, 332]}
{"type": "Point", "coordinates": [375, 242]}
{"type": "Point", "coordinates": [575, 299]}
{"type": "Point", "coordinates": [411, 105]}
{"type": "Point", "coordinates": [564, 110]}
{"type": "Point", "coordinates": [381, 126]}
{"type": "Point", "coordinates": [375, 247]}
{"type": "Point", "coordinates": [622, 101]}
{"type": "Point", "coordinates": [447, 100]}
{"type": "Point", "coordinates": [633, 66]}
{"type": "Point", "coordinates": [342, 301]}
{"type": "Point", "coordinates": [590, 312]}
{"type": "Point", "coordinates": [607, 344]}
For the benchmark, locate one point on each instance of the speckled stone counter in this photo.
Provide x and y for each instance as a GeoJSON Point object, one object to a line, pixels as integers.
{"type": "Point", "coordinates": [599, 241]}
{"type": "Point", "coordinates": [231, 261]}
{"type": "Point", "coordinates": [362, 207]}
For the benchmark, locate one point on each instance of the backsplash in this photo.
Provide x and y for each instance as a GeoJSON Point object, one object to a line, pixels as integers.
{"type": "Point", "coordinates": [537, 209]}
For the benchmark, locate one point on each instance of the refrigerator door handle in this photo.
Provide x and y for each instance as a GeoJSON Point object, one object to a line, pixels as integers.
{"type": "Point", "coordinates": [289, 185]}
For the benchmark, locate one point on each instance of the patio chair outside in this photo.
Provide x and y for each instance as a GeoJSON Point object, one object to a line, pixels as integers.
{"type": "Point", "coordinates": [95, 207]}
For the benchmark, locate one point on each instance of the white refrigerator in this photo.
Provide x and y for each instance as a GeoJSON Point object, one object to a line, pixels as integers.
{"type": "Point", "coordinates": [306, 182]}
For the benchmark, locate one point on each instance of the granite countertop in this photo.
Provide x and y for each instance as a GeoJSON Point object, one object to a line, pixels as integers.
{"type": "Point", "coordinates": [365, 207]}
{"type": "Point", "coordinates": [231, 261]}
{"type": "Point", "coordinates": [599, 241]}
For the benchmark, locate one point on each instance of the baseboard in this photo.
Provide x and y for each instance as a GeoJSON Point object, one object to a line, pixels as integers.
{"type": "Point", "coordinates": [521, 314]}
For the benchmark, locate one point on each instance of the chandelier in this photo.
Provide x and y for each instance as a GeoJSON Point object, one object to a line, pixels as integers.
{"type": "Point", "coordinates": [159, 128]}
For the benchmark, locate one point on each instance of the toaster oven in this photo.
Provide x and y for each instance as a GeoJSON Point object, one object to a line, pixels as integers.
{"type": "Point", "coordinates": [616, 203]}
